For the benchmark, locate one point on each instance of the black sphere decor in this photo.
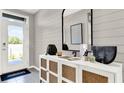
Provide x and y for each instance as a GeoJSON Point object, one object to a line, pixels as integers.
{"type": "Point", "coordinates": [51, 49]}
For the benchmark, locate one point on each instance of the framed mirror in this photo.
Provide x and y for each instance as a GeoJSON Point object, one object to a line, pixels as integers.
{"type": "Point", "coordinates": [76, 28]}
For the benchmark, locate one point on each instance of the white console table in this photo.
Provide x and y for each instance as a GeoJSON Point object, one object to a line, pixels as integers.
{"type": "Point", "coordinates": [54, 69]}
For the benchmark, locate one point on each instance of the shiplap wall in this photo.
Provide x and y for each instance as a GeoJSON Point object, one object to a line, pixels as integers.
{"type": "Point", "coordinates": [48, 30]}
{"type": "Point", "coordinates": [108, 29]}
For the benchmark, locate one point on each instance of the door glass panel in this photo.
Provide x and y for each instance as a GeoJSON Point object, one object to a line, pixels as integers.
{"type": "Point", "coordinates": [15, 44]}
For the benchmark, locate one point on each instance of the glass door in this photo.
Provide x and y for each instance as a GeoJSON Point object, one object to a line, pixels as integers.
{"type": "Point", "coordinates": [13, 44]}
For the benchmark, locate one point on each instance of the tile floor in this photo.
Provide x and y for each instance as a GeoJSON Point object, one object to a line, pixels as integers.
{"type": "Point", "coordinates": [33, 77]}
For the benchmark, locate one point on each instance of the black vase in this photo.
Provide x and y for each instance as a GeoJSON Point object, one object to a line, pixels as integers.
{"type": "Point", "coordinates": [65, 47]}
{"type": "Point", "coordinates": [104, 54]}
{"type": "Point", "coordinates": [51, 49]}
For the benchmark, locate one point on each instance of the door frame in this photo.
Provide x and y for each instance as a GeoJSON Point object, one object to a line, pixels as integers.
{"type": "Point", "coordinates": [26, 49]}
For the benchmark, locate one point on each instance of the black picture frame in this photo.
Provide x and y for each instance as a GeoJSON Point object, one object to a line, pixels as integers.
{"type": "Point", "coordinates": [81, 33]}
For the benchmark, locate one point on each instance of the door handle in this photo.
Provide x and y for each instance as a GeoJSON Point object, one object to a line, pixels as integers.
{"type": "Point", "coordinates": [4, 47]}
{"type": "Point", "coordinates": [4, 44]}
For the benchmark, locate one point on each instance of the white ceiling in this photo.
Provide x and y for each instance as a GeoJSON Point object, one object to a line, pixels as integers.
{"type": "Point", "coordinates": [71, 11]}
{"type": "Point", "coordinates": [30, 11]}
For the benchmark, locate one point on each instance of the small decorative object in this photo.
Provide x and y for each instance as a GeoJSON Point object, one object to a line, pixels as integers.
{"type": "Point", "coordinates": [65, 47]}
{"type": "Point", "coordinates": [86, 53]}
{"type": "Point", "coordinates": [59, 53]}
{"type": "Point", "coordinates": [51, 49]}
{"type": "Point", "coordinates": [104, 54]}
{"type": "Point", "coordinates": [91, 57]}
{"type": "Point", "coordinates": [83, 49]}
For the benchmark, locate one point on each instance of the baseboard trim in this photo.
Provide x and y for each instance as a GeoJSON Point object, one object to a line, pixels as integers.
{"type": "Point", "coordinates": [34, 67]}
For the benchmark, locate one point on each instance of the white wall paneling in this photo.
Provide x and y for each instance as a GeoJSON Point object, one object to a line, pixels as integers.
{"type": "Point", "coordinates": [48, 30]}
{"type": "Point", "coordinates": [108, 29]}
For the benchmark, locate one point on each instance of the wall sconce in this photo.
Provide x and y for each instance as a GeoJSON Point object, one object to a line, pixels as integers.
{"type": "Point", "coordinates": [89, 17]}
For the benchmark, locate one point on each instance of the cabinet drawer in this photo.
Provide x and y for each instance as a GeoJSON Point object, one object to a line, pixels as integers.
{"type": "Point", "coordinates": [69, 72]}
{"type": "Point", "coordinates": [43, 63]}
{"type": "Point", "coordinates": [89, 77]}
{"type": "Point", "coordinates": [52, 79]}
{"type": "Point", "coordinates": [44, 74]}
{"type": "Point", "coordinates": [53, 66]}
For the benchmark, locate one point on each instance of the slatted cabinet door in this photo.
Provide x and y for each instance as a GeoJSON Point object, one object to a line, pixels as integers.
{"type": "Point", "coordinates": [92, 75]}
{"type": "Point", "coordinates": [69, 73]}
{"type": "Point", "coordinates": [44, 63]}
{"type": "Point", "coordinates": [89, 77]}
{"type": "Point", "coordinates": [43, 70]}
{"type": "Point", "coordinates": [53, 72]}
